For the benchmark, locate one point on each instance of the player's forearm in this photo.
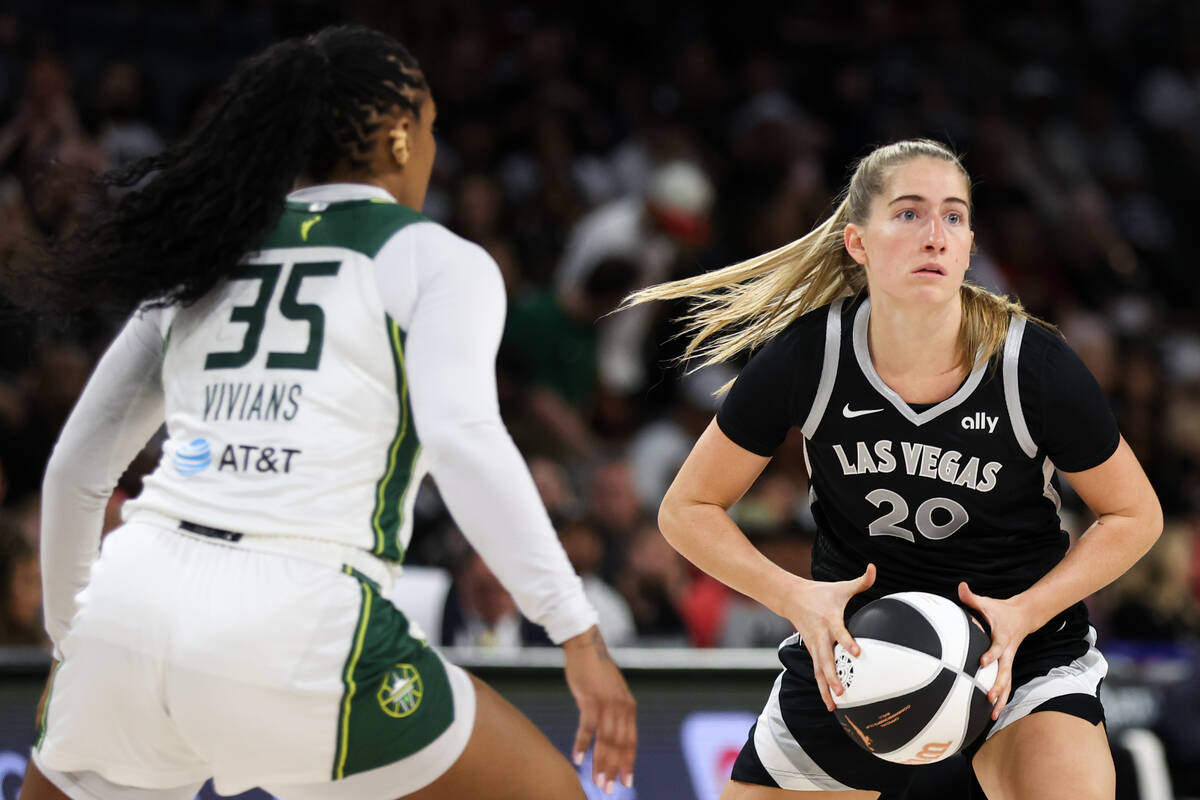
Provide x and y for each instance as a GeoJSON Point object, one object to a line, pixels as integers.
{"type": "Point", "coordinates": [119, 410]}
{"type": "Point", "coordinates": [705, 535]}
{"type": "Point", "coordinates": [71, 522]}
{"type": "Point", "coordinates": [1107, 549]}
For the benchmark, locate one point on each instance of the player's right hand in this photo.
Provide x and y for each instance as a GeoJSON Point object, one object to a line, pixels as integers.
{"type": "Point", "coordinates": [818, 609]}
{"type": "Point", "coordinates": [607, 710]}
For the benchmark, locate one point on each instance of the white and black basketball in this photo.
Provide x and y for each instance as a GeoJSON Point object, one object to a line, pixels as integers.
{"type": "Point", "coordinates": [916, 693]}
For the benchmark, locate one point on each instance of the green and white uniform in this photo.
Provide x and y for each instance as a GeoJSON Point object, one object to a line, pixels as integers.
{"type": "Point", "coordinates": [304, 400]}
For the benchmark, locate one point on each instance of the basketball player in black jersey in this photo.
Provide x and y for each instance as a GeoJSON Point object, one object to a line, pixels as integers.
{"type": "Point", "coordinates": [934, 414]}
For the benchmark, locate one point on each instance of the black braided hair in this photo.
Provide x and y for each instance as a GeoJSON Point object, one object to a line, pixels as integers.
{"type": "Point", "coordinates": [302, 108]}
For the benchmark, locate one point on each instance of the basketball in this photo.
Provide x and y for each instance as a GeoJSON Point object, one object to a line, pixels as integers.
{"type": "Point", "coordinates": [916, 694]}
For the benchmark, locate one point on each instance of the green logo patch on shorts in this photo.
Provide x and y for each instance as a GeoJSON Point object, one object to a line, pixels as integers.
{"type": "Point", "coordinates": [397, 696]}
{"type": "Point", "coordinates": [401, 691]}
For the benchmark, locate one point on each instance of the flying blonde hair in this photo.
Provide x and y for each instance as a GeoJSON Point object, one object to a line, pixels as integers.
{"type": "Point", "coordinates": [744, 305]}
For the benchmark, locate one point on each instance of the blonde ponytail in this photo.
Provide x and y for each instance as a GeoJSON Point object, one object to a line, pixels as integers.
{"type": "Point", "coordinates": [742, 306]}
{"type": "Point", "coordinates": [984, 326]}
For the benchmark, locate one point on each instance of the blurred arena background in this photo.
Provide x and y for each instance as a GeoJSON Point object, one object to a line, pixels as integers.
{"type": "Point", "coordinates": [594, 148]}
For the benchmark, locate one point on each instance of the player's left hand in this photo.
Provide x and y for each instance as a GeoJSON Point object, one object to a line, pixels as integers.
{"type": "Point", "coordinates": [607, 710]}
{"type": "Point", "coordinates": [1010, 624]}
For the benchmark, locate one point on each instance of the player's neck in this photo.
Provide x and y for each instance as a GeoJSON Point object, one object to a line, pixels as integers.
{"type": "Point", "coordinates": [915, 343]}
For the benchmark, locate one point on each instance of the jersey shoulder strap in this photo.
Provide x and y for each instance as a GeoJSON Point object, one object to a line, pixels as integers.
{"type": "Point", "coordinates": [829, 365]}
{"type": "Point", "coordinates": [1012, 384]}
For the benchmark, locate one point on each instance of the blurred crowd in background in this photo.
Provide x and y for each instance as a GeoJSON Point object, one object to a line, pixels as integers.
{"type": "Point", "coordinates": [595, 148]}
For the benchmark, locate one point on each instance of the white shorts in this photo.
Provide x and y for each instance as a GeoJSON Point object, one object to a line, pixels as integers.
{"type": "Point", "coordinates": [193, 658]}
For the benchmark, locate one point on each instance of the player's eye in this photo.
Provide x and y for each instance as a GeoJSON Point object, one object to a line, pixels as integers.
{"type": "Point", "coordinates": [908, 215]}
{"type": "Point", "coordinates": [954, 218]}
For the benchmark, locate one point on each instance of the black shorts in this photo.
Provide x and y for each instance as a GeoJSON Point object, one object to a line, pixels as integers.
{"type": "Point", "coordinates": [798, 744]}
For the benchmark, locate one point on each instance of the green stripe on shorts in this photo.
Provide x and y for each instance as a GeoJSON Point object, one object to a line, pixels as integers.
{"type": "Point", "coordinates": [41, 723]}
{"type": "Point", "coordinates": [397, 698]}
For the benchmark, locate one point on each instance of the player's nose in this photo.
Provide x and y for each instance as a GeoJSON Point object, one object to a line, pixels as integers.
{"type": "Point", "coordinates": [935, 235]}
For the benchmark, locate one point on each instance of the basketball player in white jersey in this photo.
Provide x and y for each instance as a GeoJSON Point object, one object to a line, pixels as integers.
{"type": "Point", "coordinates": [934, 414]}
{"type": "Point", "coordinates": [313, 358]}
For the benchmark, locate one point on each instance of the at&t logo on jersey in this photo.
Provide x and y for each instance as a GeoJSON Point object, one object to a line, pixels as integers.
{"type": "Point", "coordinates": [256, 458]}
{"type": "Point", "coordinates": [192, 457]}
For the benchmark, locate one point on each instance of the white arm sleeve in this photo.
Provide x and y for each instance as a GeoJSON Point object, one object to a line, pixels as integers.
{"type": "Point", "coordinates": [120, 409]}
{"type": "Point", "coordinates": [450, 357]}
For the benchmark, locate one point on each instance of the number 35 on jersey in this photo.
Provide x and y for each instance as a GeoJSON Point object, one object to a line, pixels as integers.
{"type": "Point", "coordinates": [254, 315]}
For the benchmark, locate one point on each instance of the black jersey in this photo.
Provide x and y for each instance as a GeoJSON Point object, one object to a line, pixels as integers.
{"type": "Point", "coordinates": [932, 494]}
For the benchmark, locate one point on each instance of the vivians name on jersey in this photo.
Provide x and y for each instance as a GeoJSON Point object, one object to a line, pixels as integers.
{"type": "Point", "coordinates": [249, 402]}
{"type": "Point", "coordinates": [922, 461]}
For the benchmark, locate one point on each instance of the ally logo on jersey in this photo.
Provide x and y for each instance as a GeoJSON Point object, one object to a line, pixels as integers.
{"type": "Point", "coordinates": [980, 421]}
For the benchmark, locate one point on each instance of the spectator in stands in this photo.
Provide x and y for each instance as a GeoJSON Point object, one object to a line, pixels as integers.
{"type": "Point", "coordinates": [478, 206]}
{"type": "Point", "coordinates": [51, 388]}
{"type": "Point", "coordinates": [44, 119]}
{"type": "Point", "coordinates": [125, 133]}
{"type": "Point", "coordinates": [46, 131]}
{"type": "Point", "coordinates": [669, 222]}
{"type": "Point", "coordinates": [611, 500]}
{"type": "Point", "coordinates": [550, 345]}
{"type": "Point", "coordinates": [655, 580]}
{"type": "Point", "coordinates": [20, 588]}
{"type": "Point", "coordinates": [479, 611]}
{"type": "Point", "coordinates": [16, 218]}
{"type": "Point", "coordinates": [585, 549]}
{"type": "Point", "coordinates": [658, 449]}
{"type": "Point", "coordinates": [1153, 601]}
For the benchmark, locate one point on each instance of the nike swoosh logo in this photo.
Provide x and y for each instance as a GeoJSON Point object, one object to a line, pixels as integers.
{"type": "Point", "coordinates": [848, 414]}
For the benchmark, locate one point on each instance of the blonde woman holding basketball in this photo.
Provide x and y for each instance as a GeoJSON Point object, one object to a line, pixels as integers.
{"type": "Point", "coordinates": [934, 415]}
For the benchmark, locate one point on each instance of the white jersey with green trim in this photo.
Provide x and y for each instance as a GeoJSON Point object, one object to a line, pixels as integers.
{"type": "Point", "coordinates": [287, 399]}
{"type": "Point", "coordinates": [305, 398]}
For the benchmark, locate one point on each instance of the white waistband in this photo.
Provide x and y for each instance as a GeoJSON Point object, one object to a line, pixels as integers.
{"type": "Point", "coordinates": [318, 551]}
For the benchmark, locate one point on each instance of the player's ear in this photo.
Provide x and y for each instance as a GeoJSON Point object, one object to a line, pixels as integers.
{"type": "Point", "coordinates": [853, 238]}
{"type": "Point", "coordinates": [401, 138]}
